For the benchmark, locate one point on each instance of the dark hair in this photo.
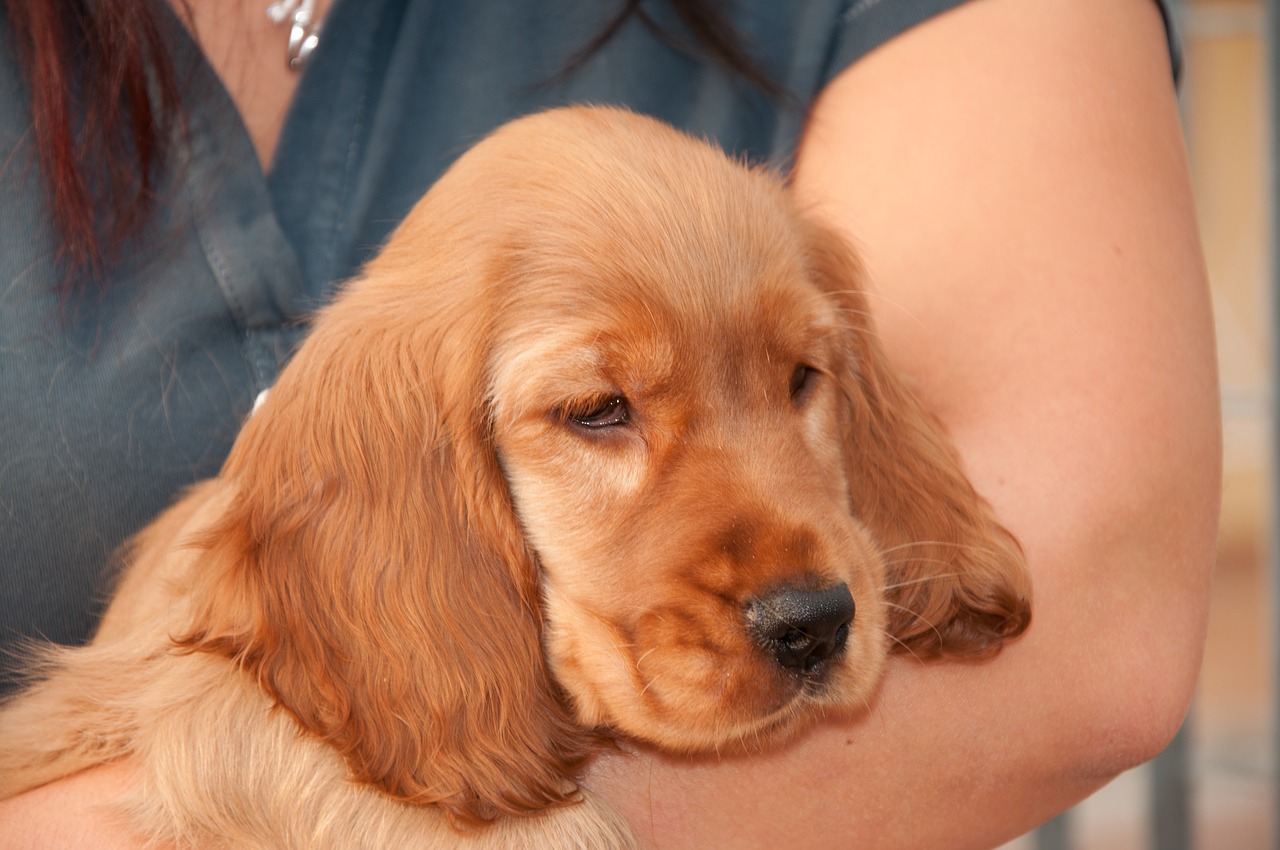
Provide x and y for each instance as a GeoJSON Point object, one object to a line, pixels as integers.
{"type": "Point", "coordinates": [106, 104]}
{"type": "Point", "coordinates": [104, 100]}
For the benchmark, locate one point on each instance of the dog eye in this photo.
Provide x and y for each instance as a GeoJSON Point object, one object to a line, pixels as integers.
{"type": "Point", "coordinates": [611, 412]}
{"type": "Point", "coordinates": [802, 380]}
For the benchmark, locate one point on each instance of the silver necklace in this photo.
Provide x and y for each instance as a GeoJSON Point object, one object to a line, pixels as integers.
{"type": "Point", "coordinates": [304, 28]}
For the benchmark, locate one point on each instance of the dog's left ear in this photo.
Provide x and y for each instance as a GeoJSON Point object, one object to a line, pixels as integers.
{"type": "Point", "coordinates": [370, 572]}
{"type": "Point", "coordinates": [956, 579]}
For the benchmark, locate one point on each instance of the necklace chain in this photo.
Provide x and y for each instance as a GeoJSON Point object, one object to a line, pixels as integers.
{"type": "Point", "coordinates": [304, 28]}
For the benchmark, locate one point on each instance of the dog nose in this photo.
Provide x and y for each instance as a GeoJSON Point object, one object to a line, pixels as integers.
{"type": "Point", "coordinates": [802, 628]}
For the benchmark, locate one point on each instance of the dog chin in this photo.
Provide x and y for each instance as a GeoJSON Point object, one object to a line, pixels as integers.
{"type": "Point", "coordinates": [704, 732]}
{"type": "Point", "coordinates": [744, 704]}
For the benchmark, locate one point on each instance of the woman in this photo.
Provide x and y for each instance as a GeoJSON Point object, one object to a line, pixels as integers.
{"type": "Point", "coordinates": [1014, 174]}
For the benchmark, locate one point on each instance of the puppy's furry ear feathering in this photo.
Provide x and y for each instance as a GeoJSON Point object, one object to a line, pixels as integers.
{"type": "Point", "coordinates": [370, 573]}
{"type": "Point", "coordinates": [956, 580]}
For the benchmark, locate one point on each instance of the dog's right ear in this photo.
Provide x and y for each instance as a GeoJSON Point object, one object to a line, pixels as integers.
{"type": "Point", "coordinates": [957, 581]}
{"type": "Point", "coordinates": [370, 572]}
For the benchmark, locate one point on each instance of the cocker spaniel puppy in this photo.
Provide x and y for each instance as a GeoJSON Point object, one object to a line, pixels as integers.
{"type": "Point", "coordinates": [601, 445]}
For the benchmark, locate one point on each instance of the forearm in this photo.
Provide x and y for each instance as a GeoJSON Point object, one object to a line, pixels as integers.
{"type": "Point", "coordinates": [71, 813]}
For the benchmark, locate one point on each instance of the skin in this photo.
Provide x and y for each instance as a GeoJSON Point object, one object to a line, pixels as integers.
{"type": "Point", "coordinates": [248, 51]}
{"type": "Point", "coordinates": [1059, 324]}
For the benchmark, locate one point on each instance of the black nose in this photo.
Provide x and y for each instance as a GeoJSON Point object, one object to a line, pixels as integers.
{"type": "Point", "coordinates": [802, 628]}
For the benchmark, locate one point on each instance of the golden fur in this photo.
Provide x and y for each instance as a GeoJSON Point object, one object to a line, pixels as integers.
{"type": "Point", "coordinates": [424, 555]}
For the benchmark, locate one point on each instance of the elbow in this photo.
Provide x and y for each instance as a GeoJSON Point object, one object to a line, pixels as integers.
{"type": "Point", "coordinates": [1138, 650]}
{"type": "Point", "coordinates": [1137, 724]}
{"type": "Point", "coordinates": [1144, 682]}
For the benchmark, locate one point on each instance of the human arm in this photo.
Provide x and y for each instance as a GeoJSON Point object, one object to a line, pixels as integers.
{"type": "Point", "coordinates": [1014, 174]}
{"type": "Point", "coordinates": [70, 813]}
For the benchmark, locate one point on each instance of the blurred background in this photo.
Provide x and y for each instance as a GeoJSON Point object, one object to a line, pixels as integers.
{"type": "Point", "coordinates": [1217, 789]}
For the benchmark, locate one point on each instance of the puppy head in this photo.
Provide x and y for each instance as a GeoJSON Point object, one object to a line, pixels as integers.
{"type": "Point", "coordinates": [700, 432]}
{"type": "Point", "coordinates": [601, 439]}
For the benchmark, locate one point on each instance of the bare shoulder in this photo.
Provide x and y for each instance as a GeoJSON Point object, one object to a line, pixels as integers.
{"type": "Point", "coordinates": [1015, 175]}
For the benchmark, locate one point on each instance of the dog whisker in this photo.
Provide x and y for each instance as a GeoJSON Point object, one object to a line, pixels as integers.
{"type": "Point", "coordinates": [649, 682]}
{"type": "Point", "coordinates": [935, 562]}
{"type": "Point", "coordinates": [920, 580]}
{"type": "Point", "coordinates": [932, 626]}
{"type": "Point", "coordinates": [944, 543]}
{"type": "Point", "coordinates": [906, 647]}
